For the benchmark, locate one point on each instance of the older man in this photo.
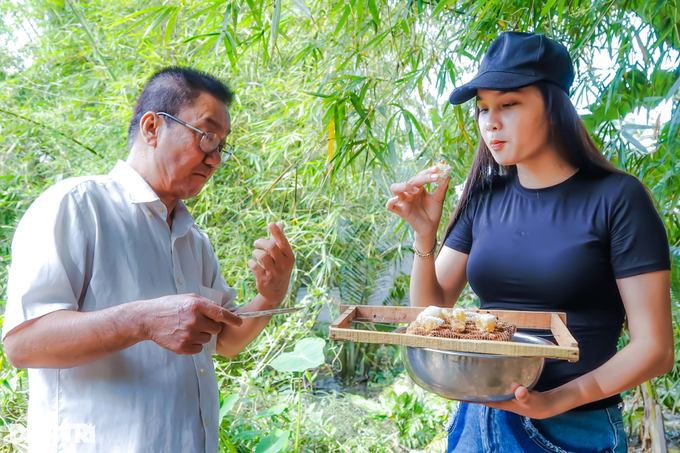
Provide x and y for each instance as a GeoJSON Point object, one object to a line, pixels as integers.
{"type": "Point", "coordinates": [116, 300]}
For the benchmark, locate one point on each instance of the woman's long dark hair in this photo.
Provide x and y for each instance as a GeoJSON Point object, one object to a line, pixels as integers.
{"type": "Point", "coordinates": [566, 133]}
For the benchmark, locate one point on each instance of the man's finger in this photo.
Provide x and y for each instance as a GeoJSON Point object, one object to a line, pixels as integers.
{"type": "Point", "coordinates": [202, 338]}
{"type": "Point", "coordinates": [256, 269]}
{"type": "Point", "coordinates": [219, 314]}
{"type": "Point", "coordinates": [281, 240]}
{"type": "Point", "coordinates": [264, 259]}
{"type": "Point", "coordinates": [264, 244]}
{"type": "Point", "coordinates": [271, 248]}
{"type": "Point", "coordinates": [207, 325]}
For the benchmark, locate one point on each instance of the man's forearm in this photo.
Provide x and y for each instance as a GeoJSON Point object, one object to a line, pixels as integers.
{"type": "Point", "coordinates": [232, 340]}
{"type": "Point", "coordinates": [65, 338]}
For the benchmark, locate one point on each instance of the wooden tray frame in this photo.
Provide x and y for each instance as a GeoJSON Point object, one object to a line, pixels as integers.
{"type": "Point", "coordinates": [566, 348]}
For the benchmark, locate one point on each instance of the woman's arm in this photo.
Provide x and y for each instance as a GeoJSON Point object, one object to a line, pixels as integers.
{"type": "Point", "coordinates": [437, 283]}
{"type": "Point", "coordinates": [650, 353]}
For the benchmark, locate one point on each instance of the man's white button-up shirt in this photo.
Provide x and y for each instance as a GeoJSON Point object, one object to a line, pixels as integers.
{"type": "Point", "coordinates": [91, 243]}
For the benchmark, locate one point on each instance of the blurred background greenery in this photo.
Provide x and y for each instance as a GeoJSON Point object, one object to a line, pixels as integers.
{"type": "Point", "coordinates": [335, 101]}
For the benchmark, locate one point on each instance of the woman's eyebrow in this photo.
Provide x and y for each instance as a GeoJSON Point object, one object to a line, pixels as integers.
{"type": "Point", "coordinates": [509, 90]}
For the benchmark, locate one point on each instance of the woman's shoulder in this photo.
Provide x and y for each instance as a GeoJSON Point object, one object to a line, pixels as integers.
{"type": "Point", "coordinates": [616, 185]}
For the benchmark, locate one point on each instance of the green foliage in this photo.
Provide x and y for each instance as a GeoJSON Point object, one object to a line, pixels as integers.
{"type": "Point", "coordinates": [308, 354]}
{"type": "Point", "coordinates": [335, 101]}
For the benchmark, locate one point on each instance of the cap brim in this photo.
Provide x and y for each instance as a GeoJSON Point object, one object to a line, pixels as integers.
{"type": "Point", "coordinates": [492, 80]}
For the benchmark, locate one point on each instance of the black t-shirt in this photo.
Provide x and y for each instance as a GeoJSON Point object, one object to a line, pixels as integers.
{"type": "Point", "coordinates": [561, 248]}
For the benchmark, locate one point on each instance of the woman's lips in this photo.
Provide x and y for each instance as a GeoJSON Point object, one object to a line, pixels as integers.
{"type": "Point", "coordinates": [497, 145]}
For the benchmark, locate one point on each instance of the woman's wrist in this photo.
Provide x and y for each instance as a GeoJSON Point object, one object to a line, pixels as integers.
{"type": "Point", "coordinates": [425, 243]}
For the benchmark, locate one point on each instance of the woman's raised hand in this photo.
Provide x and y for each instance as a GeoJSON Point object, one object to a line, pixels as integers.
{"type": "Point", "coordinates": [421, 210]}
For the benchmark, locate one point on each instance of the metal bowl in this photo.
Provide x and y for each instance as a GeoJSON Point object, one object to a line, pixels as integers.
{"type": "Point", "coordinates": [467, 376]}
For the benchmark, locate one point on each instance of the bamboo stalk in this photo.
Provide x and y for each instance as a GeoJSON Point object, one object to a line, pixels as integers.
{"type": "Point", "coordinates": [654, 431]}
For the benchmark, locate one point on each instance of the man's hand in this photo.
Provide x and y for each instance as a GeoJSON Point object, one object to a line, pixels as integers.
{"type": "Point", "coordinates": [184, 323]}
{"type": "Point", "coordinates": [272, 265]}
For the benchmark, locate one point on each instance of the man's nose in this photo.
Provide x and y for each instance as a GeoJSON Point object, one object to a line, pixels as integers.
{"type": "Point", "coordinates": [212, 159]}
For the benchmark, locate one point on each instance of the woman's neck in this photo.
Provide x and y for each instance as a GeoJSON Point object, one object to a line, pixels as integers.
{"type": "Point", "coordinates": [545, 170]}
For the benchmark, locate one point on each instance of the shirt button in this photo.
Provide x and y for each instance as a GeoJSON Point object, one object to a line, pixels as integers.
{"type": "Point", "coordinates": [179, 280]}
{"type": "Point", "coordinates": [206, 422]}
{"type": "Point", "coordinates": [202, 372]}
{"type": "Point", "coordinates": [149, 213]}
{"type": "Point", "coordinates": [160, 209]}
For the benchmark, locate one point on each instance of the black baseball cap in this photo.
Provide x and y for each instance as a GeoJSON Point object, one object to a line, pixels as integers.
{"type": "Point", "coordinates": [515, 60]}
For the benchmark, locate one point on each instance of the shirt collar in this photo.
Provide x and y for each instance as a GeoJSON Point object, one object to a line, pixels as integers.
{"type": "Point", "coordinates": [137, 188]}
{"type": "Point", "coordinates": [140, 191]}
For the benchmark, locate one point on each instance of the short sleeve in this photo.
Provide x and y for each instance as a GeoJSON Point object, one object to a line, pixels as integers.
{"type": "Point", "coordinates": [638, 241]}
{"type": "Point", "coordinates": [49, 259]}
{"type": "Point", "coordinates": [213, 278]}
{"type": "Point", "coordinates": [460, 237]}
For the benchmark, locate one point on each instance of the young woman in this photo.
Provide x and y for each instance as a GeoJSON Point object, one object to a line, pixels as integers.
{"type": "Point", "coordinates": [546, 223]}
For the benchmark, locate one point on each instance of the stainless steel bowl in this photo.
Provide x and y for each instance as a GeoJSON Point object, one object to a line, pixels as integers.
{"type": "Point", "coordinates": [473, 377]}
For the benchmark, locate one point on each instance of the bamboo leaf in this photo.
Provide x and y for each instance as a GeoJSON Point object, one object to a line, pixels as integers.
{"type": "Point", "coordinates": [633, 141]}
{"type": "Point", "coordinates": [276, 17]}
{"type": "Point", "coordinates": [160, 17]}
{"type": "Point", "coordinates": [374, 12]}
{"type": "Point", "coordinates": [143, 12]}
{"type": "Point", "coordinates": [331, 140]}
{"type": "Point", "coordinates": [440, 6]}
{"type": "Point", "coordinates": [302, 6]}
{"type": "Point", "coordinates": [341, 22]}
{"type": "Point", "coordinates": [674, 89]}
{"type": "Point", "coordinates": [170, 25]}
{"type": "Point", "coordinates": [546, 8]}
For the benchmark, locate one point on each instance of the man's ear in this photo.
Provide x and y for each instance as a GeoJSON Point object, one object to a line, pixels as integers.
{"type": "Point", "coordinates": [148, 128]}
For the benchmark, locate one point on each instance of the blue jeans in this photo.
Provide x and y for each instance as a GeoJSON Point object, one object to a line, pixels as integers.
{"type": "Point", "coordinates": [475, 428]}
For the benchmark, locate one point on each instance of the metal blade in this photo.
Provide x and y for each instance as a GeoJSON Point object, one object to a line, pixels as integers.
{"type": "Point", "coordinates": [278, 311]}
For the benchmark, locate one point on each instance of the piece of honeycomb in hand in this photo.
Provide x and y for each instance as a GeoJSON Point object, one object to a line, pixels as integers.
{"type": "Point", "coordinates": [443, 171]}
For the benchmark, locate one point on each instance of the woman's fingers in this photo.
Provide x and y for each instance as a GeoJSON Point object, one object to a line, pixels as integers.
{"type": "Point", "coordinates": [392, 205]}
{"type": "Point", "coordinates": [421, 180]}
{"type": "Point", "coordinates": [440, 193]}
{"type": "Point", "coordinates": [404, 189]}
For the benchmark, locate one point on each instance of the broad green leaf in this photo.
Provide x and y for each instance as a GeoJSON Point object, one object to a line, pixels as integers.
{"type": "Point", "coordinates": [227, 405]}
{"type": "Point", "coordinates": [273, 443]}
{"type": "Point", "coordinates": [308, 353]}
{"type": "Point", "coordinates": [250, 434]}
{"type": "Point", "coordinates": [274, 410]}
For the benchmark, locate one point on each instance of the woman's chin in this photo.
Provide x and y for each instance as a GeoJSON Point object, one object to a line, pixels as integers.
{"type": "Point", "coordinates": [503, 159]}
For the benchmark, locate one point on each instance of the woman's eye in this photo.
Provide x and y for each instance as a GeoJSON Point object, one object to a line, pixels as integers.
{"type": "Point", "coordinates": [481, 110]}
{"type": "Point", "coordinates": [510, 104]}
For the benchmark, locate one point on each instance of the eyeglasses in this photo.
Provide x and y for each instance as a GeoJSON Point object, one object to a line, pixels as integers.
{"type": "Point", "coordinates": [210, 141]}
